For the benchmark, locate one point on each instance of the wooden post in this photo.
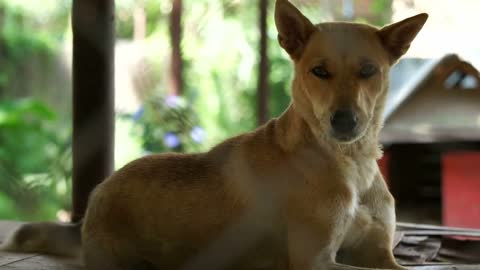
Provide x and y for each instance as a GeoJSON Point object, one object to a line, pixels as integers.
{"type": "Point", "coordinates": [176, 62]}
{"type": "Point", "coordinates": [93, 97]}
{"type": "Point", "coordinates": [262, 88]}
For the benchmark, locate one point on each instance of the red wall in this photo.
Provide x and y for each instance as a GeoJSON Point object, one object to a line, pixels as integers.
{"type": "Point", "coordinates": [383, 164]}
{"type": "Point", "coordinates": [461, 189]}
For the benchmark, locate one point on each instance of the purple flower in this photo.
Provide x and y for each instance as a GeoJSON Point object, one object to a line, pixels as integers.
{"type": "Point", "coordinates": [139, 113]}
{"type": "Point", "coordinates": [198, 134]}
{"type": "Point", "coordinates": [171, 140]}
{"type": "Point", "coordinates": [173, 101]}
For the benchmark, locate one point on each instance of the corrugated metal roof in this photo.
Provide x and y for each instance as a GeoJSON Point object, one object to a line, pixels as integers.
{"type": "Point", "coordinates": [407, 77]}
{"type": "Point", "coordinates": [416, 111]}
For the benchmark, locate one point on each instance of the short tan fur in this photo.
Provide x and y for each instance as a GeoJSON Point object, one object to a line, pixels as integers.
{"type": "Point", "coordinates": [301, 192]}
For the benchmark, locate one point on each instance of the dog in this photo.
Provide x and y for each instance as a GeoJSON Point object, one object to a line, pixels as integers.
{"type": "Point", "coordinates": [301, 192]}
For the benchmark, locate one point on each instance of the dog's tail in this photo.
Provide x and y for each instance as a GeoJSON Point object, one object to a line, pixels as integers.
{"type": "Point", "coordinates": [61, 239]}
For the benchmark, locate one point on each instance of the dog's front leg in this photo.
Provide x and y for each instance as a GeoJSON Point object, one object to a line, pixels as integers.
{"type": "Point", "coordinates": [316, 228]}
{"type": "Point", "coordinates": [371, 233]}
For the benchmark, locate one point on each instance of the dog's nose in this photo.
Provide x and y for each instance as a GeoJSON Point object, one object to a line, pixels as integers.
{"type": "Point", "coordinates": [344, 122]}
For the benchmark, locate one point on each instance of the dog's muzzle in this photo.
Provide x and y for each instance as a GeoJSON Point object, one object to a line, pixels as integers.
{"type": "Point", "coordinates": [344, 124]}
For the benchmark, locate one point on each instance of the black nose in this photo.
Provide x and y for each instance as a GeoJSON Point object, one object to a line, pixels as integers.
{"type": "Point", "coordinates": [344, 122]}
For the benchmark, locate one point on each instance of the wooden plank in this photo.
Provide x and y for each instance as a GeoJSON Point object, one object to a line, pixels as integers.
{"type": "Point", "coordinates": [11, 261]}
{"type": "Point", "coordinates": [446, 267]}
{"type": "Point", "coordinates": [44, 263]}
{"type": "Point", "coordinates": [417, 250]}
{"type": "Point", "coordinates": [401, 226]}
{"type": "Point", "coordinates": [7, 258]}
{"type": "Point", "coordinates": [6, 227]}
{"type": "Point", "coordinates": [460, 251]}
{"type": "Point", "coordinates": [397, 238]}
{"type": "Point", "coordinates": [442, 233]}
{"type": "Point", "coordinates": [24, 261]}
{"type": "Point", "coordinates": [414, 240]}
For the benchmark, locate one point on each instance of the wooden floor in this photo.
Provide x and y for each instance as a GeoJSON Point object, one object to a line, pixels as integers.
{"type": "Point", "coordinates": [17, 261]}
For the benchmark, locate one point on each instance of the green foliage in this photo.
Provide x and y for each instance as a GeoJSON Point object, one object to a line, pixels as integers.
{"type": "Point", "coordinates": [124, 16]}
{"type": "Point", "coordinates": [279, 85]}
{"type": "Point", "coordinates": [34, 151]}
{"type": "Point", "coordinates": [167, 124]}
{"type": "Point", "coordinates": [34, 161]}
{"type": "Point", "coordinates": [382, 9]}
{"type": "Point", "coordinates": [24, 121]}
{"type": "Point", "coordinates": [221, 54]}
{"type": "Point", "coordinates": [23, 34]}
{"type": "Point", "coordinates": [220, 47]}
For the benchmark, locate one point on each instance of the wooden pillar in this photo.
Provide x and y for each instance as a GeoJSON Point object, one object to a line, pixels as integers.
{"type": "Point", "coordinates": [176, 62]}
{"type": "Point", "coordinates": [262, 87]}
{"type": "Point", "coordinates": [93, 97]}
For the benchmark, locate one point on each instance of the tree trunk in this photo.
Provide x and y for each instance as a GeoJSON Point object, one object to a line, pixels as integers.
{"type": "Point", "coordinates": [93, 98]}
{"type": "Point", "coordinates": [139, 22]}
{"type": "Point", "coordinates": [262, 88]}
{"type": "Point", "coordinates": [176, 62]}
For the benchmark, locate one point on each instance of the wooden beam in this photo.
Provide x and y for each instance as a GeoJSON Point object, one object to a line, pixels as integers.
{"type": "Point", "coordinates": [93, 97]}
{"type": "Point", "coordinates": [262, 87]}
{"type": "Point", "coordinates": [446, 267]}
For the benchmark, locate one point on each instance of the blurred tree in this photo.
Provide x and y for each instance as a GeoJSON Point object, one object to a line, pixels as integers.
{"type": "Point", "coordinates": [176, 61]}
{"type": "Point", "coordinates": [127, 12]}
{"type": "Point", "coordinates": [139, 21]}
{"type": "Point", "coordinates": [377, 12]}
{"type": "Point", "coordinates": [21, 40]}
{"type": "Point", "coordinates": [35, 164]}
{"type": "Point", "coordinates": [225, 52]}
{"type": "Point", "coordinates": [263, 71]}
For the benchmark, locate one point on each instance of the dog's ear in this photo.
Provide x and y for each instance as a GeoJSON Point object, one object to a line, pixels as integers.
{"type": "Point", "coordinates": [294, 29]}
{"type": "Point", "coordinates": [397, 37]}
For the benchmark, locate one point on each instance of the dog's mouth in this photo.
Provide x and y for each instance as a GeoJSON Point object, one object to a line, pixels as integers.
{"type": "Point", "coordinates": [345, 138]}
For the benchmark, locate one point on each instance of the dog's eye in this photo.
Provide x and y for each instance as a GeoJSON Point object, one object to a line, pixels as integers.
{"type": "Point", "coordinates": [367, 71]}
{"type": "Point", "coordinates": [321, 72]}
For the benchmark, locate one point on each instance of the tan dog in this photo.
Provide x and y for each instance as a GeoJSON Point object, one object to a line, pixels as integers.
{"type": "Point", "coordinates": [289, 195]}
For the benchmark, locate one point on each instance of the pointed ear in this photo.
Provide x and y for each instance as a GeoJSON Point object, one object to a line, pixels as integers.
{"type": "Point", "coordinates": [397, 37]}
{"type": "Point", "coordinates": [294, 29]}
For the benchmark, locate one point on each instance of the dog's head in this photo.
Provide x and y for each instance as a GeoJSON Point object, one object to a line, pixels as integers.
{"type": "Point", "coordinates": [341, 69]}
